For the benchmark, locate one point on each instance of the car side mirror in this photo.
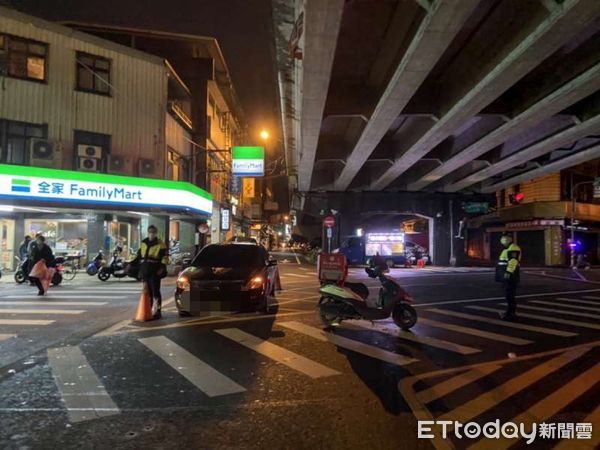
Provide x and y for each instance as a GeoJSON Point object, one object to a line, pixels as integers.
{"type": "Point", "coordinates": [272, 262]}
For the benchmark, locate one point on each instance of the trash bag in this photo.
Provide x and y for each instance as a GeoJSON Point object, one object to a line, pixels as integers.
{"type": "Point", "coordinates": [39, 269]}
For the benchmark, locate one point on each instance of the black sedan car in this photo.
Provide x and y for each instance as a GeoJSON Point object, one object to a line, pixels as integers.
{"type": "Point", "coordinates": [227, 277]}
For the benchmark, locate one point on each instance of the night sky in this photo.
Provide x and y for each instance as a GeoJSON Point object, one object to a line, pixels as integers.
{"type": "Point", "coordinates": [242, 27]}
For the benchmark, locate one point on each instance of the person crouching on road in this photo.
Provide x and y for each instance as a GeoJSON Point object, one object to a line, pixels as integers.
{"type": "Point", "coordinates": [507, 272]}
{"type": "Point", "coordinates": [154, 259]}
{"type": "Point", "coordinates": [40, 251]}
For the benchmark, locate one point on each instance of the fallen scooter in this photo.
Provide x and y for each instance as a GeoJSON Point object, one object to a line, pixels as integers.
{"type": "Point", "coordinates": [351, 302]}
{"type": "Point", "coordinates": [95, 264]}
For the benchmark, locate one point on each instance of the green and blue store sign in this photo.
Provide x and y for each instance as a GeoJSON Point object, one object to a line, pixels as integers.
{"type": "Point", "coordinates": [79, 188]}
{"type": "Point", "coordinates": [248, 161]}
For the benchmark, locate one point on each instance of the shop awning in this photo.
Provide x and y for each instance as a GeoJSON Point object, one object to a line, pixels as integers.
{"type": "Point", "coordinates": [25, 184]}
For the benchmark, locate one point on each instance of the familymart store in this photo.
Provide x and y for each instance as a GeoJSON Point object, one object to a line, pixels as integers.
{"type": "Point", "coordinates": [81, 213]}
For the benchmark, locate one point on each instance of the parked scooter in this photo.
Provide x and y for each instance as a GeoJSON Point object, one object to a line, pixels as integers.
{"type": "Point", "coordinates": [118, 267]}
{"type": "Point", "coordinates": [95, 264]}
{"type": "Point", "coordinates": [351, 302]}
{"type": "Point", "coordinates": [21, 272]}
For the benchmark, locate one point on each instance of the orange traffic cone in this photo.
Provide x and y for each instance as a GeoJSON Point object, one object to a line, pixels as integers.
{"type": "Point", "coordinates": [144, 310]}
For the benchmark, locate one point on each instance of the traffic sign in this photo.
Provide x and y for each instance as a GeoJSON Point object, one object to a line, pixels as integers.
{"type": "Point", "coordinates": [329, 221]}
{"type": "Point", "coordinates": [203, 228]}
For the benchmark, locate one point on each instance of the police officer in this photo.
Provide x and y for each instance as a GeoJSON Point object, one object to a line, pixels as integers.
{"type": "Point", "coordinates": [507, 272]}
{"type": "Point", "coordinates": [154, 259]}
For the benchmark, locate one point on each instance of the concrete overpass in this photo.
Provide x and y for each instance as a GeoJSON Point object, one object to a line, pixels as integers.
{"type": "Point", "coordinates": [450, 96]}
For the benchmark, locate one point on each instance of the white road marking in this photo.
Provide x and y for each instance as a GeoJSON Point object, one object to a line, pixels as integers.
{"type": "Point", "coordinates": [349, 344]}
{"type": "Point", "coordinates": [566, 305]}
{"type": "Point", "coordinates": [25, 322]}
{"type": "Point", "coordinates": [591, 297]}
{"type": "Point", "coordinates": [488, 299]}
{"type": "Point", "coordinates": [544, 318]}
{"type": "Point", "coordinates": [297, 275]}
{"type": "Point", "coordinates": [52, 296]}
{"type": "Point", "coordinates": [474, 332]}
{"type": "Point", "coordinates": [82, 391]}
{"type": "Point", "coordinates": [559, 311]}
{"type": "Point", "coordinates": [576, 300]}
{"type": "Point", "coordinates": [41, 311]}
{"type": "Point", "coordinates": [210, 381]}
{"type": "Point", "coordinates": [46, 303]}
{"type": "Point", "coordinates": [294, 361]}
{"type": "Point", "coordinates": [4, 337]}
{"type": "Point", "coordinates": [503, 323]}
{"type": "Point", "coordinates": [304, 299]}
{"type": "Point", "coordinates": [425, 340]}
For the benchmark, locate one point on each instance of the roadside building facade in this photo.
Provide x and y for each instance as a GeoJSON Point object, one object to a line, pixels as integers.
{"type": "Point", "coordinates": [94, 144]}
{"type": "Point", "coordinates": [539, 215]}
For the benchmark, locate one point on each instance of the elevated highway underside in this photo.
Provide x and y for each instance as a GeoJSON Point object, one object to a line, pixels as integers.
{"type": "Point", "coordinates": [452, 96]}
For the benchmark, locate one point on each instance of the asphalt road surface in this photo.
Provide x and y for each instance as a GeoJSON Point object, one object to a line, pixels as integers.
{"type": "Point", "coordinates": [75, 373]}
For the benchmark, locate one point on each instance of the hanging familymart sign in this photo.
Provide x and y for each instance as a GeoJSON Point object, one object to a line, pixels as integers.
{"type": "Point", "coordinates": [248, 161]}
{"type": "Point", "coordinates": [52, 185]}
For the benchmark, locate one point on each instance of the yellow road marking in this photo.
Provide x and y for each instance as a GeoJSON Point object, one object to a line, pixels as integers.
{"type": "Point", "coordinates": [491, 398]}
{"type": "Point", "coordinates": [452, 384]}
{"type": "Point", "coordinates": [594, 443]}
{"type": "Point", "coordinates": [548, 407]}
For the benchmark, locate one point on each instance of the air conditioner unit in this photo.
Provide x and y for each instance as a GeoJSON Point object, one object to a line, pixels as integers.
{"type": "Point", "coordinates": [41, 153]}
{"type": "Point", "coordinates": [146, 167]}
{"type": "Point", "coordinates": [89, 151]}
{"type": "Point", "coordinates": [118, 164]}
{"type": "Point", "coordinates": [89, 164]}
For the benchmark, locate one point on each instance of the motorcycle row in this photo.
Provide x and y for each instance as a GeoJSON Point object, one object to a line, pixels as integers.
{"type": "Point", "coordinates": [116, 267]}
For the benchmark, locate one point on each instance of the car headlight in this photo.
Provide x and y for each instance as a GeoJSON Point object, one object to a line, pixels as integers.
{"type": "Point", "coordinates": [256, 283]}
{"type": "Point", "coordinates": [183, 283]}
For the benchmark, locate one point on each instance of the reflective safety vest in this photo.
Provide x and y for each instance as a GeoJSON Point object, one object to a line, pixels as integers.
{"type": "Point", "coordinates": [154, 252]}
{"type": "Point", "coordinates": [509, 262]}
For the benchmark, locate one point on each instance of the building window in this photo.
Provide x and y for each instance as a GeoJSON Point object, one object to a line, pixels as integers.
{"type": "Point", "coordinates": [93, 73]}
{"type": "Point", "coordinates": [23, 58]}
{"type": "Point", "coordinates": [15, 139]}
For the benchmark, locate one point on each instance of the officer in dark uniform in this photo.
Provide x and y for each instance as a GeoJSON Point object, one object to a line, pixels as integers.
{"type": "Point", "coordinates": [507, 273]}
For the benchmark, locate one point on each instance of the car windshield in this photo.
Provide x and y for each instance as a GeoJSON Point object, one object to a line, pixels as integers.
{"type": "Point", "coordinates": [229, 256]}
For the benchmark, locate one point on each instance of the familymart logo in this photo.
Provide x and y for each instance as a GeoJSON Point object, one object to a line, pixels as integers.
{"type": "Point", "coordinates": [20, 185]}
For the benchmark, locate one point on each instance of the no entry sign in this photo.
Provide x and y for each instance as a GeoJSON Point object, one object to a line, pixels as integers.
{"type": "Point", "coordinates": [329, 221]}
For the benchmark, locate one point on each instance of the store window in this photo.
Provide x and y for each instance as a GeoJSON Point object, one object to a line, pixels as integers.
{"type": "Point", "coordinates": [25, 58]}
{"type": "Point", "coordinates": [15, 139]}
{"type": "Point", "coordinates": [7, 242]}
{"type": "Point", "coordinates": [64, 236]}
{"type": "Point", "coordinates": [93, 73]}
{"type": "Point", "coordinates": [126, 235]}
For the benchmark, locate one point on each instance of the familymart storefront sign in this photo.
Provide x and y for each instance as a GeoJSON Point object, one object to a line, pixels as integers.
{"type": "Point", "coordinates": [51, 185]}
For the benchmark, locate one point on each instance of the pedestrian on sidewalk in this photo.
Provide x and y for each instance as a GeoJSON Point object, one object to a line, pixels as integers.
{"type": "Point", "coordinates": [40, 252]}
{"type": "Point", "coordinates": [507, 272]}
{"type": "Point", "coordinates": [154, 258]}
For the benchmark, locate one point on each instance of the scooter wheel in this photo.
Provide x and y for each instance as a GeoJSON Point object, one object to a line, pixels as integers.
{"type": "Point", "coordinates": [20, 276]}
{"type": "Point", "coordinates": [404, 316]}
{"type": "Point", "coordinates": [103, 276]}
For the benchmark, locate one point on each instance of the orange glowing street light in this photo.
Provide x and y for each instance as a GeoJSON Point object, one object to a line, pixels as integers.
{"type": "Point", "coordinates": [264, 135]}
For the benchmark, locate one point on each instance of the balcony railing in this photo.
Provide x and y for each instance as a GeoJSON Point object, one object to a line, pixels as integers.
{"type": "Point", "coordinates": [179, 113]}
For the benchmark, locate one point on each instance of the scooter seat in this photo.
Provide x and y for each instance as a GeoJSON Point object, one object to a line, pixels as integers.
{"type": "Point", "coordinates": [358, 288]}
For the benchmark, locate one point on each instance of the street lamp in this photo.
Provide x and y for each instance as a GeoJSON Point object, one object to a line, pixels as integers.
{"type": "Point", "coordinates": [264, 135]}
{"type": "Point", "coordinates": [573, 207]}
